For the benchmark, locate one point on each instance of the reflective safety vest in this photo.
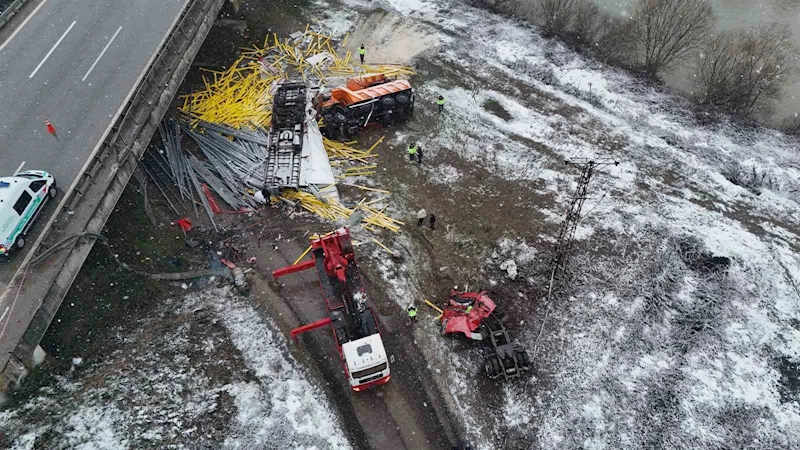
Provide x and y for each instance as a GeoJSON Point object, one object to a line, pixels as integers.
{"type": "Point", "coordinates": [412, 312]}
{"type": "Point", "coordinates": [412, 150]}
{"type": "Point", "coordinates": [440, 101]}
{"type": "Point", "coordinates": [362, 51]}
{"type": "Point", "coordinates": [469, 308]}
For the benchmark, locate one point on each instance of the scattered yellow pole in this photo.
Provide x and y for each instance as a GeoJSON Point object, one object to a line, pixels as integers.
{"type": "Point", "coordinates": [383, 247]}
{"type": "Point", "coordinates": [429, 303]}
{"type": "Point", "coordinates": [302, 256]}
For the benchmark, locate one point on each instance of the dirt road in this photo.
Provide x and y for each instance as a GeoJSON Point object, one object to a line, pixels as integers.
{"type": "Point", "coordinates": [405, 413]}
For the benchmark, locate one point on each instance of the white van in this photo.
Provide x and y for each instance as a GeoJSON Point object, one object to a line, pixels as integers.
{"type": "Point", "coordinates": [22, 197]}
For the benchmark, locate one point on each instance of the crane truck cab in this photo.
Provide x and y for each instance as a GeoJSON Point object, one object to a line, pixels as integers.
{"type": "Point", "coordinates": [366, 361]}
{"type": "Point", "coordinates": [22, 198]}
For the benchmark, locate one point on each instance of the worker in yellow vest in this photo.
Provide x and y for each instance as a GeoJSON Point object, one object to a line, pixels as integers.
{"type": "Point", "coordinates": [362, 52]}
{"type": "Point", "coordinates": [412, 151]}
{"type": "Point", "coordinates": [440, 103]}
{"type": "Point", "coordinates": [412, 312]}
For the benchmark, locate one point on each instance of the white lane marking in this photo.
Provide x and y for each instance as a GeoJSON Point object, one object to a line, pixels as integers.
{"type": "Point", "coordinates": [19, 168]}
{"type": "Point", "coordinates": [53, 49]}
{"type": "Point", "coordinates": [102, 53]}
{"type": "Point", "coordinates": [4, 313]}
{"type": "Point", "coordinates": [19, 28]}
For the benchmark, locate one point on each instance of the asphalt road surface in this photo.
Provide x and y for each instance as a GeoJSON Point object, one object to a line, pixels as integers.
{"type": "Point", "coordinates": [72, 62]}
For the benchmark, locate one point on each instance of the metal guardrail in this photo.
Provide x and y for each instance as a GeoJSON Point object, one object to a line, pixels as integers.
{"type": "Point", "coordinates": [12, 9]}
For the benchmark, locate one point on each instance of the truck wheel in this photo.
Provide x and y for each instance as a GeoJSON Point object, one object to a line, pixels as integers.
{"type": "Point", "coordinates": [402, 99]}
{"type": "Point", "coordinates": [492, 367]}
{"type": "Point", "coordinates": [387, 103]}
{"type": "Point", "coordinates": [20, 242]}
{"type": "Point", "coordinates": [499, 312]}
{"type": "Point", "coordinates": [343, 134]}
{"type": "Point", "coordinates": [523, 359]}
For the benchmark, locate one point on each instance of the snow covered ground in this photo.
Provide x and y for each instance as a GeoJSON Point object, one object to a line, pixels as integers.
{"type": "Point", "coordinates": [680, 327]}
{"type": "Point", "coordinates": [207, 371]}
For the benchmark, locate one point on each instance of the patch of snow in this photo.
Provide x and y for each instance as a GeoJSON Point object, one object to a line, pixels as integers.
{"type": "Point", "coordinates": [445, 174]}
{"type": "Point", "coordinates": [510, 267]}
{"type": "Point", "coordinates": [153, 391]}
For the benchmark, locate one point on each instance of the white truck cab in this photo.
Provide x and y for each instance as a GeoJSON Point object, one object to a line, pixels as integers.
{"type": "Point", "coordinates": [367, 364]}
{"type": "Point", "coordinates": [22, 197]}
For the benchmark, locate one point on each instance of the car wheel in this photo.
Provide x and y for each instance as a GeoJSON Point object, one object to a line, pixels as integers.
{"type": "Point", "coordinates": [20, 242]}
{"type": "Point", "coordinates": [53, 191]}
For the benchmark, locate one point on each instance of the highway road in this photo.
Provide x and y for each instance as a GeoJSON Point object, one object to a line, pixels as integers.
{"type": "Point", "coordinates": [72, 62]}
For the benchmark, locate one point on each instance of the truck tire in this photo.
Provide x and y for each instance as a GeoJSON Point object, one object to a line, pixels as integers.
{"type": "Point", "coordinates": [20, 242]}
{"type": "Point", "coordinates": [499, 312]}
{"type": "Point", "coordinates": [492, 367]}
{"type": "Point", "coordinates": [387, 103]}
{"type": "Point", "coordinates": [402, 99]}
{"type": "Point", "coordinates": [523, 359]}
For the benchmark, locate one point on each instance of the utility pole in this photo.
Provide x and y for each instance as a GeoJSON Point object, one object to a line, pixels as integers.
{"type": "Point", "coordinates": [566, 234]}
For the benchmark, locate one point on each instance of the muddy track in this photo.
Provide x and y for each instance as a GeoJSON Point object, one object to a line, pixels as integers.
{"type": "Point", "coordinates": [407, 413]}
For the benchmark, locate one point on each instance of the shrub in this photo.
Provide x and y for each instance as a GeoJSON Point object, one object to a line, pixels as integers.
{"type": "Point", "coordinates": [791, 125]}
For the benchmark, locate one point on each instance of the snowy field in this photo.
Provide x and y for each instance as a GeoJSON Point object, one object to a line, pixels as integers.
{"type": "Point", "coordinates": [680, 325]}
{"type": "Point", "coordinates": [206, 371]}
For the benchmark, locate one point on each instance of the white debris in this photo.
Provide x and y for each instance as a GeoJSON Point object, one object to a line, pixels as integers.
{"type": "Point", "coordinates": [510, 267]}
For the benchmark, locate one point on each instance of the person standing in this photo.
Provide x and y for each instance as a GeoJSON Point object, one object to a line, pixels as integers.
{"type": "Point", "coordinates": [421, 214]}
{"type": "Point", "coordinates": [440, 103]}
{"type": "Point", "coordinates": [362, 52]}
{"type": "Point", "coordinates": [412, 151]}
{"type": "Point", "coordinates": [432, 221]}
{"type": "Point", "coordinates": [412, 312]}
{"type": "Point", "coordinates": [419, 154]}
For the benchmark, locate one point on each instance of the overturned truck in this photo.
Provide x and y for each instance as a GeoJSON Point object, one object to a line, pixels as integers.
{"type": "Point", "coordinates": [296, 156]}
{"type": "Point", "coordinates": [371, 98]}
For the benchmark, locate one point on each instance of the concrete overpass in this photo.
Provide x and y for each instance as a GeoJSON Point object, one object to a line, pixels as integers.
{"type": "Point", "coordinates": [103, 72]}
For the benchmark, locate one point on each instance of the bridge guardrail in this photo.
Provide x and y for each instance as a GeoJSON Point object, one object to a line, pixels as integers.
{"type": "Point", "coordinates": [9, 12]}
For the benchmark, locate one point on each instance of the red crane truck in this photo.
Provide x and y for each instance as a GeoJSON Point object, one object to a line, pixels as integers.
{"type": "Point", "coordinates": [354, 325]}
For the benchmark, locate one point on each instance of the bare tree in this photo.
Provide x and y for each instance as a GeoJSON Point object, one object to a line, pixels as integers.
{"type": "Point", "coordinates": [613, 42]}
{"type": "Point", "coordinates": [743, 71]}
{"type": "Point", "coordinates": [666, 32]}
{"type": "Point", "coordinates": [586, 22]}
{"type": "Point", "coordinates": [556, 16]}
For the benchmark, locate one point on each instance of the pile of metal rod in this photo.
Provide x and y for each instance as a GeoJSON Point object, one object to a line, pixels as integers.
{"type": "Point", "coordinates": [230, 163]}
